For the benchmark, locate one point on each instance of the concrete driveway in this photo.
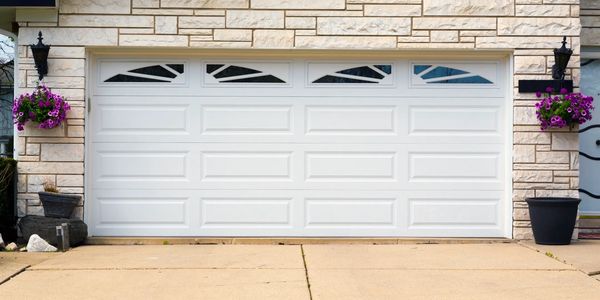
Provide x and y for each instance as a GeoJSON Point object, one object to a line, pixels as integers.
{"type": "Point", "coordinates": [442, 271]}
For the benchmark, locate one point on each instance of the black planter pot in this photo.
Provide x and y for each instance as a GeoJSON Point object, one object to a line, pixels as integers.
{"type": "Point", "coordinates": [553, 219]}
{"type": "Point", "coordinates": [57, 205]}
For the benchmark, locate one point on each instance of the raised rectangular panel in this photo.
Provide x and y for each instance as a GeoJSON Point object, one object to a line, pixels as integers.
{"type": "Point", "coordinates": [452, 212]}
{"type": "Point", "coordinates": [350, 166]}
{"type": "Point", "coordinates": [142, 211]}
{"type": "Point", "coordinates": [143, 119]}
{"type": "Point", "coordinates": [141, 165]}
{"type": "Point", "coordinates": [350, 212]}
{"type": "Point", "coordinates": [454, 166]}
{"type": "Point", "coordinates": [246, 119]}
{"type": "Point", "coordinates": [349, 120]}
{"type": "Point", "coordinates": [246, 211]}
{"type": "Point", "coordinates": [254, 166]}
{"type": "Point", "coordinates": [441, 120]}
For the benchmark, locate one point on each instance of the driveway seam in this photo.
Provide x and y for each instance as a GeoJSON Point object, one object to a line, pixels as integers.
{"type": "Point", "coordinates": [306, 272]}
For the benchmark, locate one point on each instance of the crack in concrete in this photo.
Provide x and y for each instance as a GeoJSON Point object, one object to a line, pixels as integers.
{"type": "Point", "coordinates": [306, 272]}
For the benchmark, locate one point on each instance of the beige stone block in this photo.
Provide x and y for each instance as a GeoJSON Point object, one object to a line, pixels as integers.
{"type": "Point", "coordinates": [196, 31]}
{"type": "Point", "coordinates": [524, 153]}
{"type": "Point", "coordinates": [454, 23]}
{"type": "Point", "coordinates": [521, 214]}
{"type": "Point", "coordinates": [554, 157]}
{"type": "Point", "coordinates": [136, 30]}
{"type": "Point", "coordinates": [35, 183]}
{"type": "Point", "coordinates": [354, 7]}
{"type": "Point", "coordinates": [255, 19]}
{"type": "Point", "coordinates": [363, 26]}
{"type": "Point", "coordinates": [531, 138]}
{"type": "Point", "coordinates": [525, 115]}
{"type": "Point", "coordinates": [306, 32]}
{"type": "Point", "coordinates": [145, 3]}
{"type": "Point", "coordinates": [521, 233]}
{"type": "Point", "coordinates": [543, 10]}
{"type": "Point", "coordinates": [162, 12]}
{"type": "Point", "coordinates": [532, 176]}
{"type": "Point", "coordinates": [69, 180]}
{"type": "Point", "coordinates": [201, 22]}
{"type": "Point", "coordinates": [557, 193]}
{"type": "Point", "coordinates": [298, 4]}
{"type": "Point", "coordinates": [195, 38]}
{"type": "Point", "coordinates": [538, 166]}
{"type": "Point", "coordinates": [501, 42]}
{"type": "Point", "coordinates": [71, 36]}
{"type": "Point", "coordinates": [385, 1]}
{"type": "Point", "coordinates": [561, 1]}
{"type": "Point", "coordinates": [530, 64]}
{"type": "Point", "coordinates": [30, 167]}
{"type": "Point", "coordinates": [444, 36]}
{"type": "Point", "coordinates": [233, 35]}
{"type": "Point", "coordinates": [392, 10]}
{"type": "Point", "coordinates": [211, 44]}
{"type": "Point", "coordinates": [165, 25]}
{"type": "Point", "coordinates": [300, 22]}
{"type": "Point", "coordinates": [153, 40]}
{"type": "Point", "coordinates": [273, 39]}
{"type": "Point", "coordinates": [58, 81]}
{"type": "Point", "coordinates": [62, 152]}
{"type": "Point", "coordinates": [105, 21]}
{"type": "Point", "coordinates": [574, 160]}
{"type": "Point", "coordinates": [204, 3]}
{"type": "Point", "coordinates": [413, 39]}
{"type": "Point", "coordinates": [323, 13]}
{"type": "Point", "coordinates": [33, 149]}
{"type": "Point", "coordinates": [437, 45]}
{"type": "Point", "coordinates": [538, 26]}
{"type": "Point", "coordinates": [574, 183]}
{"type": "Point", "coordinates": [345, 42]}
{"type": "Point", "coordinates": [468, 7]}
{"type": "Point", "coordinates": [565, 141]}
{"type": "Point", "coordinates": [63, 52]}
{"type": "Point", "coordinates": [477, 33]}
{"type": "Point", "coordinates": [66, 67]}
{"type": "Point", "coordinates": [521, 195]}
{"type": "Point", "coordinates": [95, 6]}
{"type": "Point", "coordinates": [75, 131]}
{"type": "Point", "coordinates": [209, 12]}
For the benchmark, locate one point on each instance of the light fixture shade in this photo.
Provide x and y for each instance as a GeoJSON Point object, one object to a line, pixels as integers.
{"type": "Point", "coordinates": [561, 60]}
{"type": "Point", "coordinates": [40, 56]}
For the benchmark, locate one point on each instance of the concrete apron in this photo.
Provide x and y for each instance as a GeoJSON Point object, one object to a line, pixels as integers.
{"type": "Point", "coordinates": [417, 271]}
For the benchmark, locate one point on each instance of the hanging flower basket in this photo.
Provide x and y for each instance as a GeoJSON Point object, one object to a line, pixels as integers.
{"type": "Point", "coordinates": [563, 109]}
{"type": "Point", "coordinates": [46, 109]}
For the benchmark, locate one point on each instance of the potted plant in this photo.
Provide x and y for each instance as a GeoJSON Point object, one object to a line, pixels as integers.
{"type": "Point", "coordinates": [42, 106]}
{"type": "Point", "coordinates": [553, 218]}
{"type": "Point", "coordinates": [56, 204]}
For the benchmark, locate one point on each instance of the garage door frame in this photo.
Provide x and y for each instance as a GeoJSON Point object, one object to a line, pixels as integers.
{"type": "Point", "coordinates": [507, 57]}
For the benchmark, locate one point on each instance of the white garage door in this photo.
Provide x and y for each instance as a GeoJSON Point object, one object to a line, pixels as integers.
{"type": "Point", "coordinates": [196, 147]}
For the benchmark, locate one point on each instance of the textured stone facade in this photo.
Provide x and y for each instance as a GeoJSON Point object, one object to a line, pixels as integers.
{"type": "Point", "coordinates": [544, 163]}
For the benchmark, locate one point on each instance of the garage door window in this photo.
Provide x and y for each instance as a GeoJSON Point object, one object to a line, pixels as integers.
{"type": "Point", "coordinates": [151, 73]}
{"type": "Point", "coordinates": [441, 74]}
{"type": "Point", "coordinates": [234, 73]}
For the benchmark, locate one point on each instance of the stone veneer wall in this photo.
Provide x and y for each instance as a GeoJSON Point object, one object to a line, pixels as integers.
{"type": "Point", "coordinates": [544, 163]}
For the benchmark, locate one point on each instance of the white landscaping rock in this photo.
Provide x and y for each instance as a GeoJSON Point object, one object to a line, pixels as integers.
{"type": "Point", "coordinates": [38, 244]}
{"type": "Point", "coordinates": [11, 247]}
{"type": "Point", "coordinates": [1, 242]}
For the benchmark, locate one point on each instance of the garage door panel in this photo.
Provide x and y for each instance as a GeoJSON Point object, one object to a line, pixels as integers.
{"type": "Point", "coordinates": [246, 119]}
{"type": "Point", "coordinates": [246, 166]}
{"type": "Point", "coordinates": [454, 213]}
{"type": "Point", "coordinates": [348, 120]}
{"type": "Point", "coordinates": [350, 166]}
{"type": "Point", "coordinates": [245, 211]}
{"type": "Point", "coordinates": [349, 212]}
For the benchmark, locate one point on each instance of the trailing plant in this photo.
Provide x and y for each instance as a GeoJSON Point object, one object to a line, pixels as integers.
{"type": "Point", "coordinates": [562, 109]}
{"type": "Point", "coordinates": [7, 170]}
{"type": "Point", "coordinates": [43, 107]}
{"type": "Point", "coordinates": [50, 186]}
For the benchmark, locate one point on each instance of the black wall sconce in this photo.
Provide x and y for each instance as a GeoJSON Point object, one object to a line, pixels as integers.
{"type": "Point", "coordinates": [40, 56]}
{"type": "Point", "coordinates": [561, 60]}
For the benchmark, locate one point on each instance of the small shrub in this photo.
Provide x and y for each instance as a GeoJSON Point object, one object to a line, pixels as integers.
{"type": "Point", "coordinates": [50, 186]}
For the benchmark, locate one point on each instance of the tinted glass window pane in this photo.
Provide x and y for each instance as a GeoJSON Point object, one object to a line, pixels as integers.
{"type": "Point", "coordinates": [128, 78]}
{"type": "Point", "coordinates": [385, 68]}
{"type": "Point", "coordinates": [258, 79]}
{"type": "Point", "coordinates": [235, 71]}
{"type": "Point", "coordinates": [335, 79]}
{"type": "Point", "coordinates": [176, 67]}
{"type": "Point", "coordinates": [442, 72]}
{"type": "Point", "coordinates": [154, 70]}
{"type": "Point", "coordinates": [472, 79]}
{"type": "Point", "coordinates": [421, 68]}
{"type": "Point", "coordinates": [362, 72]}
{"type": "Point", "coordinates": [211, 68]}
